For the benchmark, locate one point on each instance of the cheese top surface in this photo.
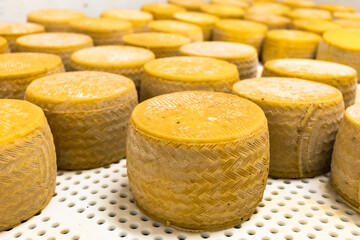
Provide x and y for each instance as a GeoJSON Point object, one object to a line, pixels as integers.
{"type": "Point", "coordinates": [269, 8]}
{"type": "Point", "coordinates": [348, 39]}
{"type": "Point", "coordinates": [240, 3]}
{"type": "Point", "coordinates": [347, 15]}
{"type": "Point", "coordinates": [352, 113]}
{"type": "Point", "coordinates": [223, 50]}
{"type": "Point", "coordinates": [174, 26]}
{"type": "Point", "coordinates": [189, 4]}
{"type": "Point", "coordinates": [128, 14]}
{"type": "Point", "coordinates": [222, 10]}
{"type": "Point", "coordinates": [299, 3]}
{"type": "Point", "coordinates": [309, 69]}
{"type": "Point", "coordinates": [18, 119]}
{"type": "Point", "coordinates": [292, 35]}
{"type": "Point", "coordinates": [54, 40]}
{"type": "Point", "coordinates": [288, 91]}
{"type": "Point", "coordinates": [191, 69]}
{"type": "Point", "coordinates": [20, 28]}
{"type": "Point", "coordinates": [272, 20]}
{"type": "Point", "coordinates": [162, 8]}
{"type": "Point", "coordinates": [16, 65]}
{"type": "Point", "coordinates": [79, 87]}
{"type": "Point", "coordinates": [196, 18]}
{"type": "Point", "coordinates": [198, 117]}
{"type": "Point", "coordinates": [155, 40]}
{"type": "Point", "coordinates": [315, 25]}
{"type": "Point", "coordinates": [112, 56]}
{"type": "Point", "coordinates": [336, 8]}
{"type": "Point", "coordinates": [241, 26]}
{"type": "Point", "coordinates": [54, 15]}
{"type": "Point", "coordinates": [107, 25]}
{"type": "Point", "coordinates": [308, 13]}
{"type": "Point", "coordinates": [348, 23]}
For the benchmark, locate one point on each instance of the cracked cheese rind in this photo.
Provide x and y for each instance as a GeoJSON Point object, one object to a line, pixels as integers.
{"type": "Point", "coordinates": [303, 118]}
{"type": "Point", "coordinates": [177, 27]}
{"type": "Point", "coordinates": [27, 162]}
{"type": "Point", "coordinates": [214, 149]}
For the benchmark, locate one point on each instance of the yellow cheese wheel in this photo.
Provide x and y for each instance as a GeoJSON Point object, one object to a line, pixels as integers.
{"type": "Point", "coordinates": [239, 3]}
{"type": "Point", "coordinates": [241, 31]}
{"type": "Point", "coordinates": [289, 44]}
{"type": "Point", "coordinates": [269, 9]}
{"type": "Point", "coordinates": [88, 113]}
{"type": "Point", "coordinates": [104, 31]}
{"type": "Point", "coordinates": [138, 19]}
{"type": "Point", "coordinates": [125, 60]}
{"type": "Point", "coordinates": [341, 46]}
{"type": "Point", "coordinates": [336, 7]}
{"type": "Point", "coordinates": [61, 44]}
{"type": "Point", "coordinates": [161, 44]}
{"type": "Point", "coordinates": [315, 25]}
{"type": "Point", "coordinates": [28, 162]}
{"type": "Point", "coordinates": [271, 21]}
{"type": "Point", "coordinates": [54, 20]}
{"type": "Point", "coordinates": [337, 75]}
{"type": "Point", "coordinates": [162, 10]}
{"type": "Point", "coordinates": [223, 10]}
{"type": "Point", "coordinates": [4, 47]}
{"type": "Point", "coordinates": [346, 15]}
{"type": "Point", "coordinates": [308, 13]}
{"type": "Point", "coordinates": [190, 5]}
{"type": "Point", "coordinates": [171, 26]}
{"type": "Point", "coordinates": [205, 21]}
{"type": "Point", "coordinates": [214, 153]}
{"type": "Point", "coordinates": [348, 23]}
{"type": "Point", "coordinates": [175, 74]}
{"type": "Point", "coordinates": [345, 162]}
{"type": "Point", "coordinates": [303, 118]}
{"type": "Point", "coordinates": [11, 31]}
{"type": "Point", "coordinates": [18, 70]}
{"type": "Point", "coordinates": [299, 3]}
{"type": "Point", "coordinates": [243, 56]}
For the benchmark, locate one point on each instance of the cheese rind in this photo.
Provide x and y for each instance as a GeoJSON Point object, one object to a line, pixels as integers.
{"type": "Point", "coordinates": [28, 162]}
{"type": "Point", "coordinates": [202, 145]}
{"type": "Point", "coordinates": [299, 3]}
{"type": "Point", "coordinates": [315, 25]}
{"type": "Point", "coordinates": [223, 10]}
{"type": "Point", "coordinates": [336, 8]}
{"type": "Point", "coordinates": [162, 10]}
{"type": "Point", "coordinates": [269, 9]}
{"type": "Point", "coordinates": [177, 27]}
{"type": "Point", "coordinates": [271, 21]}
{"type": "Point", "coordinates": [4, 47]}
{"type": "Point", "coordinates": [307, 13]}
{"type": "Point", "coordinates": [190, 5]}
{"type": "Point", "coordinates": [303, 120]}
{"type": "Point", "coordinates": [346, 15]}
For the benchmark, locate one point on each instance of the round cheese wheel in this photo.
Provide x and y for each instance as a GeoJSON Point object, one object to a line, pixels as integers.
{"type": "Point", "coordinates": [175, 74]}
{"type": "Point", "coordinates": [315, 25]}
{"type": "Point", "coordinates": [61, 44]}
{"type": "Point", "coordinates": [54, 20]}
{"type": "Point", "coordinates": [205, 21]}
{"type": "Point", "coordinates": [336, 8]}
{"type": "Point", "coordinates": [18, 70]}
{"type": "Point", "coordinates": [104, 31]}
{"type": "Point", "coordinates": [303, 118]}
{"type": "Point", "coordinates": [138, 19]}
{"type": "Point", "coordinates": [161, 44]}
{"type": "Point", "coordinates": [337, 75]}
{"type": "Point", "coordinates": [243, 56]}
{"type": "Point", "coordinates": [177, 27]}
{"type": "Point", "coordinates": [190, 5]}
{"type": "Point", "coordinates": [271, 21]}
{"type": "Point", "coordinates": [125, 60]}
{"type": "Point", "coordinates": [214, 153]}
{"type": "Point", "coordinates": [240, 31]}
{"type": "Point", "coordinates": [307, 13]}
{"type": "Point", "coordinates": [11, 31]}
{"type": "Point", "coordinates": [223, 10]}
{"type": "Point", "coordinates": [28, 162]}
{"type": "Point", "coordinates": [345, 163]}
{"type": "Point", "coordinates": [239, 3]}
{"type": "Point", "coordinates": [162, 10]}
{"type": "Point", "coordinates": [346, 15]}
{"type": "Point", "coordinates": [269, 9]}
{"type": "Point", "coordinates": [4, 47]}
{"type": "Point", "coordinates": [283, 43]}
{"type": "Point", "coordinates": [341, 46]}
{"type": "Point", "coordinates": [348, 23]}
{"type": "Point", "coordinates": [299, 3]}
{"type": "Point", "coordinates": [88, 113]}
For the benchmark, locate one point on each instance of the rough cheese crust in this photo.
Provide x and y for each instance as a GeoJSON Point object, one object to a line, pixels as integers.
{"type": "Point", "coordinates": [303, 120]}
{"type": "Point", "coordinates": [88, 113]}
{"type": "Point", "coordinates": [198, 181]}
{"type": "Point", "coordinates": [28, 162]}
{"type": "Point", "coordinates": [162, 10]}
{"type": "Point", "coordinates": [345, 162]}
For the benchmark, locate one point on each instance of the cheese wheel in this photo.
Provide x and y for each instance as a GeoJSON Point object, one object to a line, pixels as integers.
{"type": "Point", "coordinates": [244, 57]}
{"type": "Point", "coordinates": [28, 162]}
{"type": "Point", "coordinates": [54, 20]}
{"type": "Point", "coordinates": [61, 44]}
{"type": "Point", "coordinates": [12, 31]}
{"type": "Point", "coordinates": [223, 10]}
{"type": "Point", "coordinates": [88, 113]}
{"type": "Point", "coordinates": [239, 3]}
{"type": "Point", "coordinates": [18, 70]}
{"type": "Point", "coordinates": [4, 47]}
{"type": "Point", "coordinates": [346, 15]}
{"type": "Point", "coordinates": [162, 10]}
{"type": "Point", "coordinates": [176, 74]}
{"type": "Point", "coordinates": [171, 26]}
{"type": "Point", "coordinates": [307, 13]}
{"type": "Point", "coordinates": [125, 60]}
{"type": "Point", "coordinates": [205, 21]}
{"type": "Point", "coordinates": [104, 31]}
{"type": "Point", "coordinates": [315, 25]}
{"type": "Point", "coordinates": [240, 31]}
{"type": "Point", "coordinates": [190, 5]}
{"type": "Point", "coordinates": [271, 21]}
{"type": "Point", "coordinates": [337, 75]}
{"type": "Point", "coordinates": [269, 9]}
{"type": "Point", "coordinates": [299, 3]}
{"type": "Point", "coordinates": [341, 46]}
{"type": "Point", "coordinates": [303, 120]}
{"type": "Point", "coordinates": [345, 162]}
{"type": "Point", "coordinates": [138, 19]}
{"type": "Point", "coordinates": [161, 44]}
{"type": "Point", "coordinates": [336, 8]}
{"type": "Point", "coordinates": [348, 23]}
{"type": "Point", "coordinates": [289, 44]}
{"type": "Point", "coordinates": [198, 161]}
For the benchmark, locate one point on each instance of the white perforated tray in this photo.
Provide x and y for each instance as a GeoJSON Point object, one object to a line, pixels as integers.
{"type": "Point", "coordinates": [97, 204]}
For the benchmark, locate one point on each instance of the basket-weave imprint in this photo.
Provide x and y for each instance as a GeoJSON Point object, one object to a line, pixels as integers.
{"type": "Point", "coordinates": [56, 27]}
{"type": "Point", "coordinates": [103, 38]}
{"type": "Point", "coordinates": [247, 68]}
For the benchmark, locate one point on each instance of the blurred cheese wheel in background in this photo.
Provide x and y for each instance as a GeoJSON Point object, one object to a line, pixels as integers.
{"type": "Point", "coordinates": [4, 47]}
{"type": "Point", "coordinates": [336, 8]}
{"type": "Point", "coordinates": [346, 15]}
{"type": "Point", "coordinates": [348, 23]}
{"type": "Point", "coordinates": [271, 21]}
{"type": "Point", "coordinates": [239, 3]}
{"type": "Point", "coordinates": [162, 10]}
{"type": "Point", "coordinates": [223, 11]}
{"type": "Point", "coordinates": [269, 9]}
{"type": "Point", "coordinates": [315, 25]}
{"type": "Point", "coordinates": [190, 5]}
{"type": "Point", "coordinates": [308, 13]}
{"type": "Point", "coordinates": [299, 3]}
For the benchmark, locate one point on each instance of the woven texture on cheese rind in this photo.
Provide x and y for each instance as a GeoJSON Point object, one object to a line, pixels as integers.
{"type": "Point", "coordinates": [198, 187]}
{"type": "Point", "coordinates": [152, 86]}
{"type": "Point", "coordinates": [56, 27]}
{"type": "Point", "coordinates": [112, 38]}
{"type": "Point", "coordinates": [165, 52]}
{"type": "Point", "coordinates": [247, 68]}
{"type": "Point", "coordinates": [27, 176]}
